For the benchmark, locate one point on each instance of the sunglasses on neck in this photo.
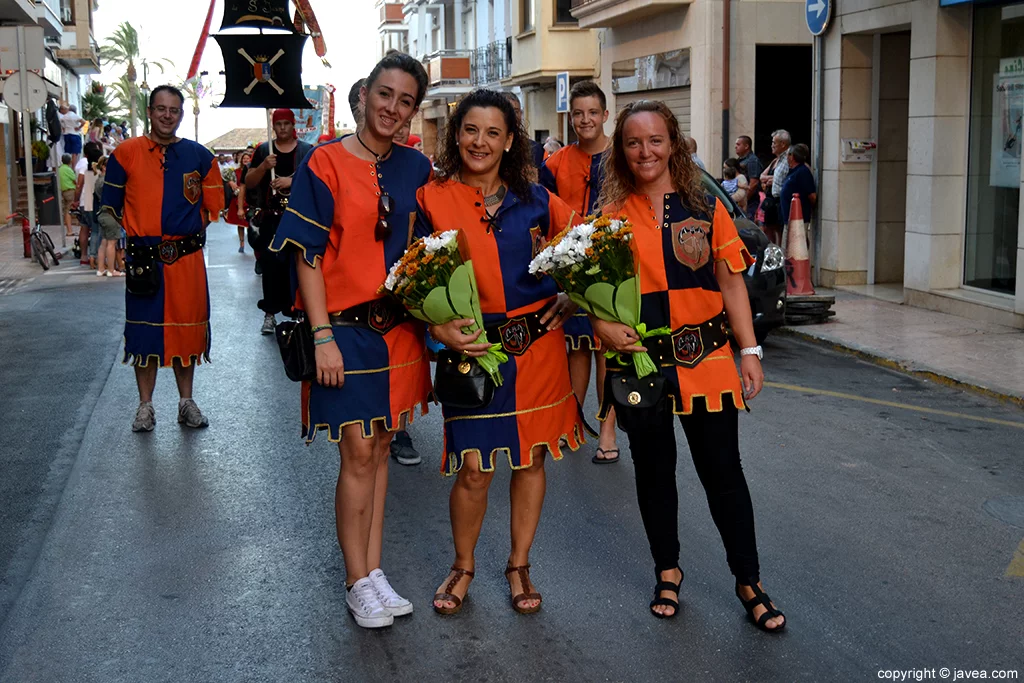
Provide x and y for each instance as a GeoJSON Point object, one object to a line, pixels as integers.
{"type": "Point", "coordinates": [385, 205]}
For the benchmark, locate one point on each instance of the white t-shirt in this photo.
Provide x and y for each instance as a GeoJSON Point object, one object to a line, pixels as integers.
{"type": "Point", "coordinates": [88, 185]}
{"type": "Point", "coordinates": [70, 122]}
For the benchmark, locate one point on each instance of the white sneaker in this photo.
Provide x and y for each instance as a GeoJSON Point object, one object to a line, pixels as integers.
{"type": "Point", "coordinates": [366, 607]}
{"type": "Point", "coordinates": [392, 601]}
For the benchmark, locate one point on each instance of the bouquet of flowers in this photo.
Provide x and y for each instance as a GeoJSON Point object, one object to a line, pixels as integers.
{"type": "Point", "coordinates": [437, 286]}
{"type": "Point", "coordinates": [594, 264]}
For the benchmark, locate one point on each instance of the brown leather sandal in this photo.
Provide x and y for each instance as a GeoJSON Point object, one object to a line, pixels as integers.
{"type": "Point", "coordinates": [524, 579]}
{"type": "Point", "coordinates": [447, 594]}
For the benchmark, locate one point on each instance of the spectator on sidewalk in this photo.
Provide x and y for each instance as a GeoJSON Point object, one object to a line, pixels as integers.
{"type": "Point", "coordinates": [85, 180]}
{"type": "Point", "coordinates": [691, 147]}
{"type": "Point", "coordinates": [71, 126]}
{"type": "Point", "coordinates": [66, 176]}
{"type": "Point", "coordinates": [416, 142]}
{"type": "Point", "coordinates": [536, 149]}
{"type": "Point", "coordinates": [772, 181]}
{"type": "Point", "coordinates": [799, 181]}
{"type": "Point", "coordinates": [735, 183]}
{"type": "Point", "coordinates": [750, 166]}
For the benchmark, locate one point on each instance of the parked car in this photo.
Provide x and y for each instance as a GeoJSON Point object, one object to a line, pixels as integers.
{"type": "Point", "coordinates": [766, 279]}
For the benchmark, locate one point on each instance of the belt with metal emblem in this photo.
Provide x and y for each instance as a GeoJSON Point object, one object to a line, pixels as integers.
{"type": "Point", "coordinates": [688, 345]}
{"type": "Point", "coordinates": [517, 334]}
{"type": "Point", "coordinates": [168, 251]}
{"type": "Point", "coordinates": [379, 315]}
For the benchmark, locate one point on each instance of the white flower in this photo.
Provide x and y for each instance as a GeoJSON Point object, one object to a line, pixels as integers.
{"type": "Point", "coordinates": [435, 243]}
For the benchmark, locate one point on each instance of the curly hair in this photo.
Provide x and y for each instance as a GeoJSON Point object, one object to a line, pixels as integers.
{"type": "Point", "coordinates": [619, 181]}
{"type": "Point", "coordinates": [516, 167]}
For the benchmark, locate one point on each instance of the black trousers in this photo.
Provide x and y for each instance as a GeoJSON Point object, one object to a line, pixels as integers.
{"type": "Point", "coordinates": [714, 446]}
{"type": "Point", "coordinates": [277, 285]}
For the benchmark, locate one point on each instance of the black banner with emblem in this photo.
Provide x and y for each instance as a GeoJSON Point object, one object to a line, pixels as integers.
{"type": "Point", "coordinates": [258, 13]}
{"type": "Point", "coordinates": [263, 71]}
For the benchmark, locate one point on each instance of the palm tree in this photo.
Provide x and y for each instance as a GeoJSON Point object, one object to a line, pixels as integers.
{"type": "Point", "coordinates": [95, 105]}
{"type": "Point", "coordinates": [192, 90]}
{"type": "Point", "coordinates": [122, 90]}
{"type": "Point", "coordinates": [123, 48]}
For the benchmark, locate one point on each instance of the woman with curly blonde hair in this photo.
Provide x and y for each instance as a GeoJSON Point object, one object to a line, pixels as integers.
{"type": "Point", "coordinates": [691, 261]}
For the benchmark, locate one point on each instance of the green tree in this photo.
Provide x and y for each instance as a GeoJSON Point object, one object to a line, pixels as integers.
{"type": "Point", "coordinates": [122, 47]}
{"type": "Point", "coordinates": [191, 91]}
{"type": "Point", "coordinates": [122, 90]}
{"type": "Point", "coordinates": [96, 105]}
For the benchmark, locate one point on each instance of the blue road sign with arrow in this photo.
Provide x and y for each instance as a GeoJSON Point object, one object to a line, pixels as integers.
{"type": "Point", "coordinates": [818, 13]}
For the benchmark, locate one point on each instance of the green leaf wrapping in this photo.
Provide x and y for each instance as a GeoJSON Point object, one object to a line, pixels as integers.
{"type": "Point", "coordinates": [601, 296]}
{"type": "Point", "coordinates": [627, 301]}
{"type": "Point", "coordinates": [436, 307]}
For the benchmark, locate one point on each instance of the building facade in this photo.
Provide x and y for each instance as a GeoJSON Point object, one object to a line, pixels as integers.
{"type": "Point", "coordinates": [932, 215]}
{"type": "Point", "coordinates": [689, 52]}
{"type": "Point", "coordinates": [514, 45]}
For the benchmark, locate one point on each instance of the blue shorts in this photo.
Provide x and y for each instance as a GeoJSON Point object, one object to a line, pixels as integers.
{"type": "Point", "coordinates": [73, 144]}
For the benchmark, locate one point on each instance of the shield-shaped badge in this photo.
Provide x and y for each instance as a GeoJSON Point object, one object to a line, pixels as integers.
{"type": "Point", "coordinates": [193, 186]}
{"type": "Point", "coordinates": [515, 336]}
{"type": "Point", "coordinates": [687, 345]}
{"type": "Point", "coordinates": [381, 317]}
{"type": "Point", "coordinates": [168, 252]}
{"type": "Point", "coordinates": [690, 243]}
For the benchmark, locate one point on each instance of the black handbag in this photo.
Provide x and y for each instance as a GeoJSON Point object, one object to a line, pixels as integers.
{"type": "Point", "coordinates": [639, 403]}
{"type": "Point", "coordinates": [295, 340]}
{"type": "Point", "coordinates": [461, 383]}
{"type": "Point", "coordinates": [770, 206]}
{"type": "Point", "coordinates": [143, 277]}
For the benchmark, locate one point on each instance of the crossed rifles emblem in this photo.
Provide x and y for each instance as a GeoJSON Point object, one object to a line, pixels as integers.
{"type": "Point", "coordinates": [263, 71]}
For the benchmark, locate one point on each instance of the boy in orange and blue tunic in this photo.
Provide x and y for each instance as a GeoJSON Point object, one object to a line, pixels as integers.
{"type": "Point", "coordinates": [163, 190]}
{"type": "Point", "coordinates": [575, 173]}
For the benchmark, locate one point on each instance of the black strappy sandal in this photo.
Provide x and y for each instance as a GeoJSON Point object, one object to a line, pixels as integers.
{"type": "Point", "coordinates": [761, 598]}
{"type": "Point", "coordinates": [663, 585]}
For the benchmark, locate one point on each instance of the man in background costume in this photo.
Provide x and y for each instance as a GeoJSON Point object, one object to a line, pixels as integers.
{"type": "Point", "coordinates": [163, 190]}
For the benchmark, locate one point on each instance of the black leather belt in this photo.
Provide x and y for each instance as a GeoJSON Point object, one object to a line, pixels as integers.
{"type": "Point", "coordinates": [689, 344]}
{"type": "Point", "coordinates": [517, 334]}
{"type": "Point", "coordinates": [379, 315]}
{"type": "Point", "coordinates": [168, 251]}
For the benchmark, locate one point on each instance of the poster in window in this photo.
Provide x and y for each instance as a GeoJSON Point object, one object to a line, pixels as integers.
{"type": "Point", "coordinates": [1008, 114]}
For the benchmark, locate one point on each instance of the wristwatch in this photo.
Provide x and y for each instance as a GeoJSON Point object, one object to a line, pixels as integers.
{"type": "Point", "coordinates": [753, 351]}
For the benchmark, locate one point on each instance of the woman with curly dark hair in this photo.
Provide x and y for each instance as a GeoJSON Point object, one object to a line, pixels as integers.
{"type": "Point", "coordinates": [483, 190]}
{"type": "Point", "coordinates": [691, 261]}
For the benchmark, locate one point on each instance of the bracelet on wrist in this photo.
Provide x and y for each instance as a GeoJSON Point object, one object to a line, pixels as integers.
{"type": "Point", "coordinates": [323, 340]}
{"type": "Point", "coordinates": [321, 328]}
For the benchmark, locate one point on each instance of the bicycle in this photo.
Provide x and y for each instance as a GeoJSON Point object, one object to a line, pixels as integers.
{"type": "Point", "coordinates": [39, 241]}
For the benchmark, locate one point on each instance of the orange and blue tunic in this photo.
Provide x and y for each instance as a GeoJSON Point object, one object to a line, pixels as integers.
{"type": "Point", "coordinates": [164, 193]}
{"type": "Point", "coordinates": [535, 406]}
{"type": "Point", "coordinates": [678, 288]}
{"type": "Point", "coordinates": [331, 217]}
{"type": "Point", "coordinates": [576, 178]}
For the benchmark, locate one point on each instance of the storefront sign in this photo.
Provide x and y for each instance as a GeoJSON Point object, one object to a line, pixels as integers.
{"type": "Point", "coordinates": [663, 70]}
{"type": "Point", "coordinates": [1014, 66]}
{"type": "Point", "coordinates": [1008, 118]}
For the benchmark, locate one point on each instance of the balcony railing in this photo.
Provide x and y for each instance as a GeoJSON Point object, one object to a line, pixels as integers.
{"type": "Point", "coordinates": [492, 63]}
{"type": "Point", "coordinates": [391, 13]}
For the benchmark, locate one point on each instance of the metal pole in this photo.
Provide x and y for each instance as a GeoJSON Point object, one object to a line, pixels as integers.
{"type": "Point", "coordinates": [26, 129]}
{"type": "Point", "coordinates": [726, 58]}
{"type": "Point", "coordinates": [819, 139]}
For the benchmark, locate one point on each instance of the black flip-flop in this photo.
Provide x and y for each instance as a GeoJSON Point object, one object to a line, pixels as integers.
{"type": "Point", "coordinates": [606, 461]}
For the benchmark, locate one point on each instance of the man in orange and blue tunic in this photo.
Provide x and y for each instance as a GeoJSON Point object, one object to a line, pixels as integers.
{"type": "Point", "coordinates": [575, 173]}
{"type": "Point", "coordinates": [163, 190]}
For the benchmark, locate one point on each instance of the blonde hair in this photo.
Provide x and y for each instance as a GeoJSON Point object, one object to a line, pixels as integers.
{"type": "Point", "coordinates": [619, 182]}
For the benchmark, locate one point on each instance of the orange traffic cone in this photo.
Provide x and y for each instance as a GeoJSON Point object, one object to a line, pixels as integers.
{"type": "Point", "coordinates": [798, 264]}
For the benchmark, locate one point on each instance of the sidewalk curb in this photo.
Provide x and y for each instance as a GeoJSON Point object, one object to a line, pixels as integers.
{"type": "Point", "coordinates": [906, 367]}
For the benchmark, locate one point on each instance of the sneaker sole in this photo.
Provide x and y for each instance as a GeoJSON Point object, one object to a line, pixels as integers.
{"type": "Point", "coordinates": [399, 611]}
{"type": "Point", "coordinates": [408, 461]}
{"type": "Point", "coordinates": [199, 426]}
{"type": "Point", "coordinates": [143, 429]}
{"type": "Point", "coordinates": [372, 622]}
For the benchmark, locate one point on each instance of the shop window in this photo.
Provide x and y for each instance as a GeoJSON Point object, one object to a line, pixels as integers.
{"type": "Point", "coordinates": [994, 162]}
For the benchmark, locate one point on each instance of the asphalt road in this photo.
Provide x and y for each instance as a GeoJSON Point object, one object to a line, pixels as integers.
{"type": "Point", "coordinates": [888, 513]}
